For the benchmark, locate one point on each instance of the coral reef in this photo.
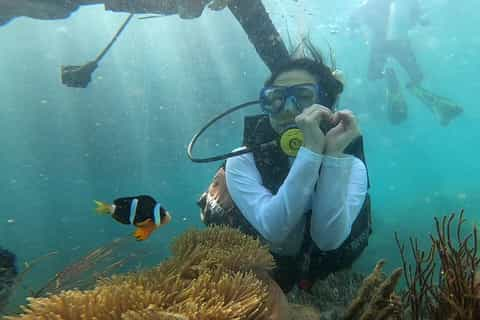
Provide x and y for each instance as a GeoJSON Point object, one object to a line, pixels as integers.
{"type": "Point", "coordinates": [376, 298]}
{"type": "Point", "coordinates": [216, 273]}
{"type": "Point", "coordinates": [220, 273]}
{"type": "Point", "coordinates": [302, 312]}
{"type": "Point", "coordinates": [349, 295]}
{"type": "Point", "coordinates": [208, 297]}
{"type": "Point", "coordinates": [455, 295]}
{"type": "Point", "coordinates": [331, 296]}
{"type": "Point", "coordinates": [443, 282]}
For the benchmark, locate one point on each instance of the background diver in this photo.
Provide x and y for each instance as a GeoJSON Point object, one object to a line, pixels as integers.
{"type": "Point", "coordinates": [389, 22]}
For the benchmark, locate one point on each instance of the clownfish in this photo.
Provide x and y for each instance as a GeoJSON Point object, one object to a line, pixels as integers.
{"type": "Point", "coordinates": [142, 211]}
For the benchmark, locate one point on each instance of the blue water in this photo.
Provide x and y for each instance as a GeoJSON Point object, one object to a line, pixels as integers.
{"type": "Point", "coordinates": [127, 132]}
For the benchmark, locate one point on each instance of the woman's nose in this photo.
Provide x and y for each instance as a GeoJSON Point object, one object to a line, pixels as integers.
{"type": "Point", "coordinates": [291, 105]}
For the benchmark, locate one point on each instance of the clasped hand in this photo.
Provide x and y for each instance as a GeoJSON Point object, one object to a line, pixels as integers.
{"type": "Point", "coordinates": [341, 128]}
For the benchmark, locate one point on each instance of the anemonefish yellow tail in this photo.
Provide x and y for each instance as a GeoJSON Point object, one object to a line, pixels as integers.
{"type": "Point", "coordinates": [102, 207]}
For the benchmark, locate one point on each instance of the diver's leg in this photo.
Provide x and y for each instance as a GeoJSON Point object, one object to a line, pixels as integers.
{"type": "Point", "coordinates": [260, 30]}
{"type": "Point", "coordinates": [396, 104]}
{"type": "Point", "coordinates": [396, 107]}
{"type": "Point", "coordinates": [403, 53]}
{"type": "Point", "coordinates": [378, 58]}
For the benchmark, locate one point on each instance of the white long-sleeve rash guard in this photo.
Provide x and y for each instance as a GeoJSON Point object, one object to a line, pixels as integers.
{"type": "Point", "coordinates": [335, 194]}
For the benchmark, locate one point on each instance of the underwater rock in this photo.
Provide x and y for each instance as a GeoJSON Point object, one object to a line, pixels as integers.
{"type": "Point", "coordinates": [8, 274]}
{"type": "Point", "coordinates": [304, 312]}
{"type": "Point", "coordinates": [331, 296]}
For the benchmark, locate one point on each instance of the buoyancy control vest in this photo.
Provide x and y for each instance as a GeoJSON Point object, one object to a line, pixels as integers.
{"type": "Point", "coordinates": [217, 207]}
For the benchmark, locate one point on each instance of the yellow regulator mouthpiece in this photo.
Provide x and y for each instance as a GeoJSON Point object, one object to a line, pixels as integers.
{"type": "Point", "coordinates": [290, 141]}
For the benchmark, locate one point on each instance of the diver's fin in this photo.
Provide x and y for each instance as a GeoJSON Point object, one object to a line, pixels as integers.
{"type": "Point", "coordinates": [449, 113]}
{"type": "Point", "coordinates": [103, 208]}
{"type": "Point", "coordinates": [445, 109]}
{"type": "Point", "coordinates": [144, 230]}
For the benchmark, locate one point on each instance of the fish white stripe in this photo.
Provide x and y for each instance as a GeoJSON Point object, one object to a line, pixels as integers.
{"type": "Point", "coordinates": [156, 214]}
{"type": "Point", "coordinates": [133, 210]}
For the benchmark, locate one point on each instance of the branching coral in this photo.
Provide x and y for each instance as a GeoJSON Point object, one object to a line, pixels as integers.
{"type": "Point", "coordinates": [455, 294]}
{"type": "Point", "coordinates": [384, 303]}
{"type": "Point", "coordinates": [477, 284]}
{"type": "Point", "coordinates": [459, 261]}
{"type": "Point", "coordinates": [376, 298]}
{"type": "Point", "coordinates": [365, 291]}
{"type": "Point", "coordinates": [201, 281]}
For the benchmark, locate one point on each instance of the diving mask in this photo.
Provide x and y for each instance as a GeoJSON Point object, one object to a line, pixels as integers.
{"type": "Point", "coordinates": [274, 98]}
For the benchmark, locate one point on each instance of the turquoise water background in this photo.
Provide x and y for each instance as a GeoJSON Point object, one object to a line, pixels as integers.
{"type": "Point", "coordinates": [127, 132]}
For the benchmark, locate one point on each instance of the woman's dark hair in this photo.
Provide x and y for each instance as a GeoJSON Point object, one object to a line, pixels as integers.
{"type": "Point", "coordinates": [316, 67]}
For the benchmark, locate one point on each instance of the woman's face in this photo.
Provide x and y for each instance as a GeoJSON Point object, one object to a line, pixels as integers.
{"type": "Point", "coordinates": [286, 118]}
